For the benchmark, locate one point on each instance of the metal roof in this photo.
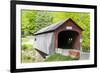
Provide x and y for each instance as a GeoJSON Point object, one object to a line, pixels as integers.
{"type": "Point", "coordinates": [53, 27]}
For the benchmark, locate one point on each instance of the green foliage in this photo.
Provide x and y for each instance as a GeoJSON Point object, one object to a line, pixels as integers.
{"type": "Point", "coordinates": [58, 16]}
{"type": "Point", "coordinates": [86, 49]}
{"type": "Point", "coordinates": [27, 59]}
{"type": "Point", "coordinates": [82, 19]}
{"type": "Point", "coordinates": [27, 53]}
{"type": "Point", "coordinates": [25, 39]}
{"type": "Point", "coordinates": [43, 19]}
{"type": "Point", "coordinates": [26, 46]}
{"type": "Point", "coordinates": [28, 21]}
{"type": "Point", "coordinates": [58, 57]}
{"type": "Point", "coordinates": [33, 21]}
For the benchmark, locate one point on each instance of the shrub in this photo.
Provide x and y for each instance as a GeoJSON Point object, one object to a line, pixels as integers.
{"type": "Point", "coordinates": [86, 49]}
{"type": "Point", "coordinates": [27, 59]}
{"type": "Point", "coordinates": [26, 46]}
{"type": "Point", "coordinates": [25, 39]}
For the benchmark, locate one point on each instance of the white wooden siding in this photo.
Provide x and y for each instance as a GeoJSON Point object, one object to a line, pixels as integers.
{"type": "Point", "coordinates": [45, 42]}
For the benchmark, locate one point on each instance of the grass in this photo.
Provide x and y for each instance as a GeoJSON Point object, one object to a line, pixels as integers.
{"type": "Point", "coordinates": [28, 56]}
{"type": "Point", "coordinates": [27, 46]}
{"type": "Point", "coordinates": [58, 57]}
{"type": "Point", "coordinates": [25, 39]}
{"type": "Point", "coordinates": [27, 59]}
{"type": "Point", "coordinates": [28, 53]}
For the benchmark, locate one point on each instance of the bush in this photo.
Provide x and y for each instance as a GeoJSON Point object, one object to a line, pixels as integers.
{"type": "Point", "coordinates": [86, 49]}
{"type": "Point", "coordinates": [25, 39]}
{"type": "Point", "coordinates": [26, 46]}
{"type": "Point", "coordinates": [27, 59]}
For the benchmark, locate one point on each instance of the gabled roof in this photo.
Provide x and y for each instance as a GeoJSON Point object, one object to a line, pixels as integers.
{"type": "Point", "coordinates": [54, 27]}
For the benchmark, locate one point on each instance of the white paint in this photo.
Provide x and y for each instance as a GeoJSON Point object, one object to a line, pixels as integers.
{"type": "Point", "coordinates": [80, 40]}
{"type": "Point", "coordinates": [50, 64]}
{"type": "Point", "coordinates": [64, 52]}
{"type": "Point", "coordinates": [43, 42]}
{"type": "Point", "coordinates": [69, 27]}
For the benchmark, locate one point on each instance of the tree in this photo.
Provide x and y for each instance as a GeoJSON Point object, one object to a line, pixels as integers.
{"type": "Point", "coordinates": [33, 21]}
{"type": "Point", "coordinates": [43, 19]}
{"type": "Point", "coordinates": [28, 21]}
{"type": "Point", "coordinates": [82, 19]}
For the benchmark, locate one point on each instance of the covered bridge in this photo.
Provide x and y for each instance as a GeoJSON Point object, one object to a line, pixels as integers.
{"type": "Point", "coordinates": [59, 37]}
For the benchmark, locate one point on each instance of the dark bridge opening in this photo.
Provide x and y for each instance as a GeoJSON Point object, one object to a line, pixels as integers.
{"type": "Point", "coordinates": [67, 39]}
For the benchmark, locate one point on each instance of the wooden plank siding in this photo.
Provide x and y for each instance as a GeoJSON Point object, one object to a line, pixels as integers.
{"type": "Point", "coordinates": [47, 42]}
{"type": "Point", "coordinates": [44, 42]}
{"type": "Point", "coordinates": [63, 28]}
